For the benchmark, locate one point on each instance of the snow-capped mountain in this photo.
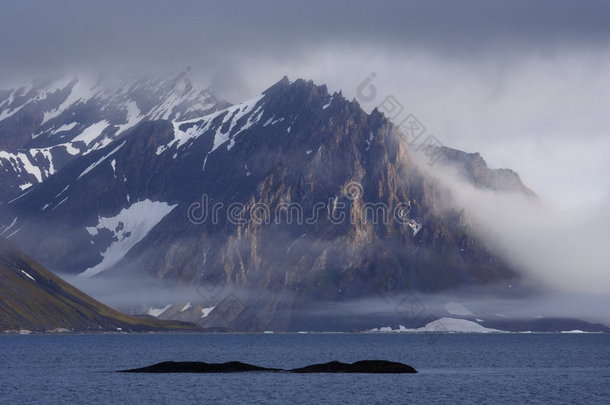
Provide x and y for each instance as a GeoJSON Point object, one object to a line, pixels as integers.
{"type": "Point", "coordinates": [308, 172]}
{"type": "Point", "coordinates": [47, 124]}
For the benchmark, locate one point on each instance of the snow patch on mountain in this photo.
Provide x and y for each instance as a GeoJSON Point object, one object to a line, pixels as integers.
{"type": "Point", "coordinates": [92, 132]}
{"type": "Point", "coordinates": [7, 109]}
{"type": "Point", "coordinates": [415, 225]}
{"type": "Point", "coordinates": [81, 90]}
{"type": "Point", "coordinates": [21, 163]}
{"type": "Point", "coordinates": [230, 116]}
{"type": "Point", "coordinates": [128, 227]}
{"type": "Point", "coordinates": [234, 114]}
{"type": "Point", "coordinates": [8, 227]}
{"type": "Point", "coordinates": [69, 148]}
{"type": "Point", "coordinates": [156, 312]}
{"type": "Point", "coordinates": [206, 311]}
{"type": "Point", "coordinates": [65, 127]}
{"type": "Point", "coordinates": [75, 116]}
{"type": "Point", "coordinates": [25, 273]}
{"type": "Point", "coordinates": [46, 155]}
{"type": "Point", "coordinates": [100, 160]}
{"type": "Point", "coordinates": [134, 116]}
{"type": "Point", "coordinates": [182, 137]}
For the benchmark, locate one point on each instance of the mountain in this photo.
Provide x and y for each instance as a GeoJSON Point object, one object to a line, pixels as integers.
{"type": "Point", "coordinates": [34, 299]}
{"type": "Point", "coordinates": [46, 124]}
{"type": "Point", "coordinates": [271, 207]}
{"type": "Point", "coordinates": [475, 169]}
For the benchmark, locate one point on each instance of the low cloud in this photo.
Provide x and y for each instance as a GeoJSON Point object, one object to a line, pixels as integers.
{"type": "Point", "coordinates": [565, 249]}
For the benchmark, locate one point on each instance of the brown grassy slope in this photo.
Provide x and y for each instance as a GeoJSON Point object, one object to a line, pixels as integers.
{"type": "Point", "coordinates": [48, 302]}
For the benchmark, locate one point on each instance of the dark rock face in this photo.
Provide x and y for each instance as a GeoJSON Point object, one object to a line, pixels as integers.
{"type": "Point", "coordinates": [198, 367]}
{"type": "Point", "coordinates": [365, 366]}
{"type": "Point", "coordinates": [295, 146]}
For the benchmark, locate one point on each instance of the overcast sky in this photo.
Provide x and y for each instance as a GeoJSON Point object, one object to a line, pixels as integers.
{"type": "Point", "coordinates": [525, 83]}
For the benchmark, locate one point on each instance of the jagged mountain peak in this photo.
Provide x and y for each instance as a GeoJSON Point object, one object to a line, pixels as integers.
{"type": "Point", "coordinates": [282, 83]}
{"type": "Point", "coordinates": [300, 90]}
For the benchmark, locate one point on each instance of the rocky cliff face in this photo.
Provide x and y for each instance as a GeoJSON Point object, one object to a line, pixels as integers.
{"type": "Point", "coordinates": [295, 198]}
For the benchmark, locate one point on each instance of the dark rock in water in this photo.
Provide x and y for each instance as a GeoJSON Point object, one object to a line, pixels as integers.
{"type": "Point", "coordinates": [365, 366]}
{"type": "Point", "coordinates": [198, 367]}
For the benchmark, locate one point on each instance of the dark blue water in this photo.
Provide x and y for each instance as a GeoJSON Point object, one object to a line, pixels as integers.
{"type": "Point", "coordinates": [489, 369]}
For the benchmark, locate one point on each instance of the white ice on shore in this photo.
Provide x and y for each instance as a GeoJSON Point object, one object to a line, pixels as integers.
{"type": "Point", "coordinates": [442, 325]}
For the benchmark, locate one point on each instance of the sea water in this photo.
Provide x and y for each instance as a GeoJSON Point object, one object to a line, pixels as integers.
{"type": "Point", "coordinates": [453, 368]}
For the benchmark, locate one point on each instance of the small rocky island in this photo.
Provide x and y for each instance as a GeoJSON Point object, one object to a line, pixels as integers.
{"type": "Point", "coordinates": [364, 366]}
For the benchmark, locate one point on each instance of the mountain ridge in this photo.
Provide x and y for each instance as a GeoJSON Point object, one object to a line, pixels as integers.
{"type": "Point", "coordinates": [293, 144]}
{"type": "Point", "coordinates": [47, 124]}
{"type": "Point", "coordinates": [35, 300]}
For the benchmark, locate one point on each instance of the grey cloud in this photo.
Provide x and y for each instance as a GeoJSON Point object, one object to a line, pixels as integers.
{"type": "Point", "coordinates": [565, 249]}
{"type": "Point", "coordinates": [522, 82]}
{"type": "Point", "coordinates": [147, 34]}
